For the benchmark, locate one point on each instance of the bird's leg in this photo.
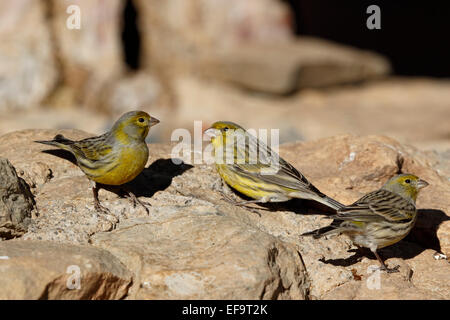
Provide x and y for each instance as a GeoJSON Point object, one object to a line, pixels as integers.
{"type": "Point", "coordinates": [97, 204]}
{"type": "Point", "coordinates": [239, 203]}
{"type": "Point", "coordinates": [106, 214]}
{"type": "Point", "coordinates": [135, 200]}
{"type": "Point", "coordinates": [383, 266]}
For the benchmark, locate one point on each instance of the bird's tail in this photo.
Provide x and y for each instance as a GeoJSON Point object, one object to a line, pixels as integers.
{"type": "Point", "coordinates": [58, 141]}
{"type": "Point", "coordinates": [324, 231]}
{"type": "Point", "coordinates": [330, 202]}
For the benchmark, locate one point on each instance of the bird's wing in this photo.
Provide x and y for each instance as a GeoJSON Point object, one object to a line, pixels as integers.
{"type": "Point", "coordinates": [93, 152]}
{"type": "Point", "coordinates": [377, 206]}
{"type": "Point", "coordinates": [262, 163]}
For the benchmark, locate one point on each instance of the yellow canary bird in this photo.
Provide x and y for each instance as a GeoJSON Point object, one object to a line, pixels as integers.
{"type": "Point", "coordinates": [380, 218]}
{"type": "Point", "coordinates": [252, 168]}
{"type": "Point", "coordinates": [113, 158]}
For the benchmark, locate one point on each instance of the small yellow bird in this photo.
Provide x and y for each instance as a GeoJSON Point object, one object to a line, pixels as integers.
{"type": "Point", "coordinates": [113, 158]}
{"type": "Point", "coordinates": [380, 218]}
{"type": "Point", "coordinates": [252, 168]}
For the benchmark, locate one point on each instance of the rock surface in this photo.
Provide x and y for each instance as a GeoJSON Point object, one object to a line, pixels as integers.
{"type": "Point", "coordinates": [49, 270]}
{"type": "Point", "coordinates": [196, 252]}
{"type": "Point", "coordinates": [82, 119]}
{"type": "Point", "coordinates": [287, 67]}
{"type": "Point", "coordinates": [195, 26]}
{"type": "Point", "coordinates": [16, 202]}
{"type": "Point", "coordinates": [140, 90]}
{"type": "Point", "coordinates": [89, 56]}
{"type": "Point", "coordinates": [195, 245]}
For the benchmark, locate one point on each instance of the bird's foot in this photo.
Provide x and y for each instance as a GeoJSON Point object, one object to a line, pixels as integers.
{"type": "Point", "coordinates": [243, 204]}
{"type": "Point", "coordinates": [135, 200]}
{"type": "Point", "coordinates": [227, 198]}
{"type": "Point", "coordinates": [253, 210]}
{"type": "Point", "coordinates": [107, 219]}
{"type": "Point", "coordinates": [100, 208]}
{"type": "Point", "coordinates": [390, 270]}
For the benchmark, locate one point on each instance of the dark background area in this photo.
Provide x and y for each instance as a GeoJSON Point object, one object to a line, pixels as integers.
{"type": "Point", "coordinates": [131, 40]}
{"type": "Point", "coordinates": [414, 35]}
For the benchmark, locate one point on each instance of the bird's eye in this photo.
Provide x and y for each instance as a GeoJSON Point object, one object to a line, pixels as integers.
{"type": "Point", "coordinates": [407, 181]}
{"type": "Point", "coordinates": [141, 120]}
{"type": "Point", "coordinates": [225, 129]}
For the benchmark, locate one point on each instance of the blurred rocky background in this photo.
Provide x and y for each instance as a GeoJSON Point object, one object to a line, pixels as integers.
{"type": "Point", "coordinates": [310, 68]}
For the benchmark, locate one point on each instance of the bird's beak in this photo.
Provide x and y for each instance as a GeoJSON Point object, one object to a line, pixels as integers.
{"type": "Point", "coordinates": [422, 184]}
{"type": "Point", "coordinates": [153, 121]}
{"type": "Point", "coordinates": [211, 132]}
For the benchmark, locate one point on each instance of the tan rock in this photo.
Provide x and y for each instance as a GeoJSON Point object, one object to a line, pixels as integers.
{"type": "Point", "coordinates": [284, 68]}
{"type": "Point", "coordinates": [421, 277]}
{"type": "Point", "coordinates": [193, 26]}
{"type": "Point", "coordinates": [47, 270]}
{"type": "Point", "coordinates": [91, 55]}
{"type": "Point", "coordinates": [46, 118]}
{"type": "Point", "coordinates": [175, 33]}
{"type": "Point", "coordinates": [35, 166]}
{"type": "Point", "coordinates": [138, 91]}
{"type": "Point", "coordinates": [188, 211]}
{"type": "Point", "coordinates": [27, 63]}
{"type": "Point", "coordinates": [16, 202]}
{"type": "Point", "coordinates": [197, 252]}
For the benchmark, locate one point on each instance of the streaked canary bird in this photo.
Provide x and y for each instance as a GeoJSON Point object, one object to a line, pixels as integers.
{"type": "Point", "coordinates": [252, 168]}
{"type": "Point", "coordinates": [113, 158]}
{"type": "Point", "coordinates": [380, 218]}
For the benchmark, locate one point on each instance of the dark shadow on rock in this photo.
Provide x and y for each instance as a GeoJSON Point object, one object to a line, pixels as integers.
{"type": "Point", "coordinates": [62, 154]}
{"type": "Point", "coordinates": [303, 206]}
{"type": "Point", "coordinates": [346, 262]}
{"type": "Point", "coordinates": [403, 249]}
{"type": "Point", "coordinates": [157, 177]}
{"type": "Point", "coordinates": [424, 232]}
{"type": "Point", "coordinates": [298, 206]}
